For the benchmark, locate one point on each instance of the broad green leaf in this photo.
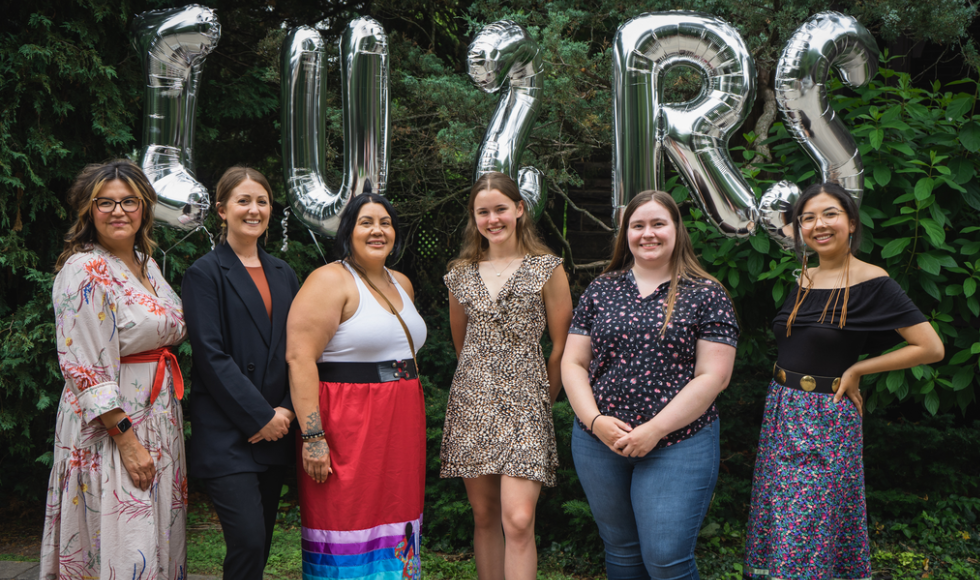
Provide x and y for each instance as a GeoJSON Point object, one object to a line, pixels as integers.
{"type": "Point", "coordinates": [760, 242]}
{"type": "Point", "coordinates": [963, 169]}
{"type": "Point", "coordinates": [901, 148]}
{"type": "Point", "coordinates": [882, 174]}
{"type": "Point", "coordinates": [932, 402]}
{"type": "Point", "coordinates": [928, 263]}
{"type": "Point", "coordinates": [923, 188]}
{"type": "Point", "coordinates": [733, 278]}
{"type": "Point", "coordinates": [935, 232]}
{"type": "Point", "coordinates": [895, 380]}
{"type": "Point", "coordinates": [963, 378]}
{"type": "Point", "coordinates": [777, 292]}
{"type": "Point", "coordinates": [931, 289]}
{"type": "Point", "coordinates": [895, 247]}
{"type": "Point", "coordinates": [973, 305]}
{"type": "Point", "coordinates": [959, 106]}
{"type": "Point", "coordinates": [970, 136]}
{"type": "Point", "coordinates": [960, 357]}
{"type": "Point", "coordinates": [876, 137]}
{"type": "Point", "coordinates": [969, 287]}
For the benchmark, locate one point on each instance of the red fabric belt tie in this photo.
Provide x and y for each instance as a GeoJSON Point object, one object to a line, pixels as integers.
{"type": "Point", "coordinates": [159, 356]}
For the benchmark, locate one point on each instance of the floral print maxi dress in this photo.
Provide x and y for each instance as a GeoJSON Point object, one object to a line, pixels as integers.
{"type": "Point", "coordinates": [98, 523]}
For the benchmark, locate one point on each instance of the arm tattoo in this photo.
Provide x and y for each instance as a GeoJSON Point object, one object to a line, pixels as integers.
{"type": "Point", "coordinates": [313, 423]}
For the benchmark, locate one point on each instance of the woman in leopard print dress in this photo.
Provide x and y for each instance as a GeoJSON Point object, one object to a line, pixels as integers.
{"type": "Point", "coordinates": [504, 288]}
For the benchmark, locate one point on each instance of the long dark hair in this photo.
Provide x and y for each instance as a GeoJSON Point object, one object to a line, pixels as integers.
{"type": "Point", "coordinates": [348, 219]}
{"type": "Point", "coordinates": [232, 178]}
{"type": "Point", "coordinates": [684, 262]}
{"type": "Point", "coordinates": [847, 204]}
{"type": "Point", "coordinates": [86, 188]}
{"type": "Point", "coordinates": [474, 244]}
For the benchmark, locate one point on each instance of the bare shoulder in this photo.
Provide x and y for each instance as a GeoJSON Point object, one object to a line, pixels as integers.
{"type": "Point", "coordinates": [863, 271]}
{"type": "Point", "coordinates": [332, 277]}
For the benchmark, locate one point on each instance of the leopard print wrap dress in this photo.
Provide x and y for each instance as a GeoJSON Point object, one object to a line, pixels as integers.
{"type": "Point", "coordinates": [498, 418]}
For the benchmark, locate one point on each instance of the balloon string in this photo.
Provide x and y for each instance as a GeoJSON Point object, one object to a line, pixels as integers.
{"type": "Point", "coordinates": [285, 230]}
{"type": "Point", "coordinates": [192, 232]}
{"type": "Point", "coordinates": [317, 245]}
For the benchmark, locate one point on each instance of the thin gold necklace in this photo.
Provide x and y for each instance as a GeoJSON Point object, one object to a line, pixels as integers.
{"type": "Point", "coordinates": [505, 267]}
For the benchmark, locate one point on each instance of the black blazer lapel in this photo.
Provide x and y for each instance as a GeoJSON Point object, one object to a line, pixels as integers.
{"type": "Point", "coordinates": [243, 285]}
{"type": "Point", "coordinates": [282, 297]}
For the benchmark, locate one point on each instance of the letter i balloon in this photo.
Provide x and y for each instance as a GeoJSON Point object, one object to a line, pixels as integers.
{"type": "Point", "coordinates": [172, 45]}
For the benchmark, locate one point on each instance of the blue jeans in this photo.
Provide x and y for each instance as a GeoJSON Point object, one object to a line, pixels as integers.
{"type": "Point", "coordinates": [649, 509]}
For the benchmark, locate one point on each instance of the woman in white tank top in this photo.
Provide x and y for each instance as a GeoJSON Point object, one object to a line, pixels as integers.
{"type": "Point", "coordinates": [351, 339]}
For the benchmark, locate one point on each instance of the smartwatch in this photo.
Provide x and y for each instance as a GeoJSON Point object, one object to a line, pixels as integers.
{"type": "Point", "coordinates": [120, 428]}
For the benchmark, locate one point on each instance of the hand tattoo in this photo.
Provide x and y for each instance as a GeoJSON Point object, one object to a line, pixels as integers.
{"type": "Point", "coordinates": [317, 449]}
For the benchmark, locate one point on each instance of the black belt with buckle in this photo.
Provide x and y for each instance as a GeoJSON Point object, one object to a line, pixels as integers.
{"type": "Point", "coordinates": [808, 383]}
{"type": "Point", "coordinates": [382, 372]}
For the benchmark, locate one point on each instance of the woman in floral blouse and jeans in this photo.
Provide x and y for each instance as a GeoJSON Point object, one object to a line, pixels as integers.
{"type": "Point", "coordinates": [652, 343]}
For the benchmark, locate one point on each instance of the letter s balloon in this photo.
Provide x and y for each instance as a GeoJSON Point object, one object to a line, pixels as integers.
{"type": "Point", "coordinates": [827, 39]}
{"type": "Point", "coordinates": [503, 52]}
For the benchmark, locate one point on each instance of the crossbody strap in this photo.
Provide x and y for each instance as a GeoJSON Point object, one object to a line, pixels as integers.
{"type": "Point", "coordinates": [408, 335]}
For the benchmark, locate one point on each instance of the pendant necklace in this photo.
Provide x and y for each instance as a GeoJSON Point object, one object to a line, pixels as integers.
{"type": "Point", "coordinates": [505, 267]}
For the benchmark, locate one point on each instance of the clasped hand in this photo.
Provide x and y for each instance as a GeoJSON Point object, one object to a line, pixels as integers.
{"type": "Point", "coordinates": [316, 460]}
{"type": "Point", "coordinates": [275, 429]}
{"type": "Point", "coordinates": [623, 439]}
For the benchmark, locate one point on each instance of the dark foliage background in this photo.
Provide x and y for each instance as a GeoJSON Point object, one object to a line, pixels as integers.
{"type": "Point", "coordinates": [71, 91]}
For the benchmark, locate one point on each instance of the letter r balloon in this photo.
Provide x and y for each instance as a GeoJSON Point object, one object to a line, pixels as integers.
{"type": "Point", "coordinates": [694, 135]}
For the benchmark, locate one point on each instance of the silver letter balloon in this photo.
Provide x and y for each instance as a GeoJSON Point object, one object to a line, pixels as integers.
{"type": "Point", "coordinates": [694, 134]}
{"type": "Point", "coordinates": [503, 53]}
{"type": "Point", "coordinates": [827, 39]}
{"type": "Point", "coordinates": [172, 45]}
{"type": "Point", "coordinates": [365, 102]}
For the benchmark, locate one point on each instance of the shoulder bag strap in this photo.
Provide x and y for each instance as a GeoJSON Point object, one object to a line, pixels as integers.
{"type": "Point", "coordinates": [408, 335]}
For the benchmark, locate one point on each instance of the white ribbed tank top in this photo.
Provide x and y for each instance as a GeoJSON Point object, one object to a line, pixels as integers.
{"type": "Point", "coordinates": [373, 333]}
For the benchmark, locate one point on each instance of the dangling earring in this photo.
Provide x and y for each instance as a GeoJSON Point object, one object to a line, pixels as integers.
{"type": "Point", "coordinates": [800, 294]}
{"type": "Point", "coordinates": [224, 225]}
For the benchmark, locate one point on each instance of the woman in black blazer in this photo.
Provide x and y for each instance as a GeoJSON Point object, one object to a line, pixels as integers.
{"type": "Point", "coordinates": [236, 300]}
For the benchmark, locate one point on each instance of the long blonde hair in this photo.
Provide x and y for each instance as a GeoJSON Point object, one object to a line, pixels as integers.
{"type": "Point", "coordinates": [475, 245]}
{"type": "Point", "coordinates": [86, 188]}
{"type": "Point", "coordinates": [684, 262]}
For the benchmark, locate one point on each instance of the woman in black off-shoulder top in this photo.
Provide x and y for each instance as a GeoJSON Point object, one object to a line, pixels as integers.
{"type": "Point", "coordinates": [808, 517]}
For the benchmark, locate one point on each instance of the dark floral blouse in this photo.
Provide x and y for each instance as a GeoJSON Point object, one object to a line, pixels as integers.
{"type": "Point", "coordinates": [634, 371]}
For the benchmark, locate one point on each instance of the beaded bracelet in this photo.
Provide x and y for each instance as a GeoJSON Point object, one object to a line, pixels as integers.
{"type": "Point", "coordinates": [312, 436]}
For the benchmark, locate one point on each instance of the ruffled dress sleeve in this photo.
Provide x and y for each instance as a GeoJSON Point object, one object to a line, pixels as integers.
{"type": "Point", "coordinates": [87, 336]}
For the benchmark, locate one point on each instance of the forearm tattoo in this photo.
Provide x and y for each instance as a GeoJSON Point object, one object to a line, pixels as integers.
{"type": "Point", "coordinates": [317, 448]}
{"type": "Point", "coordinates": [313, 423]}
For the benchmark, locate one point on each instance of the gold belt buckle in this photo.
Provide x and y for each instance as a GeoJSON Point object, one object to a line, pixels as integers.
{"type": "Point", "coordinates": [808, 383]}
{"type": "Point", "coordinates": [779, 374]}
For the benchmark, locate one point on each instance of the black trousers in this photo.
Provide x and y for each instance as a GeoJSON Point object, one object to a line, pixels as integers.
{"type": "Point", "coordinates": [246, 504]}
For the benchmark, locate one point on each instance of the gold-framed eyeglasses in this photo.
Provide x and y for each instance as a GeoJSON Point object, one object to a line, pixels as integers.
{"type": "Point", "coordinates": [829, 217]}
{"type": "Point", "coordinates": [107, 205]}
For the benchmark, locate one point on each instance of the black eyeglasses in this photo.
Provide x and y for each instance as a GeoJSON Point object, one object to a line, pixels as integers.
{"type": "Point", "coordinates": [106, 205]}
{"type": "Point", "coordinates": [828, 217]}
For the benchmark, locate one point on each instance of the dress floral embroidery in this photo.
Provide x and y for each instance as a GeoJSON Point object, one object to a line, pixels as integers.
{"type": "Point", "coordinates": [98, 524]}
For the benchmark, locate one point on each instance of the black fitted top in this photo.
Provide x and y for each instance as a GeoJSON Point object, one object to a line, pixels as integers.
{"type": "Point", "coordinates": [875, 309]}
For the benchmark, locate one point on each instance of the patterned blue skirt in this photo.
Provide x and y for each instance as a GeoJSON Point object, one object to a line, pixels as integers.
{"type": "Point", "coordinates": [808, 519]}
